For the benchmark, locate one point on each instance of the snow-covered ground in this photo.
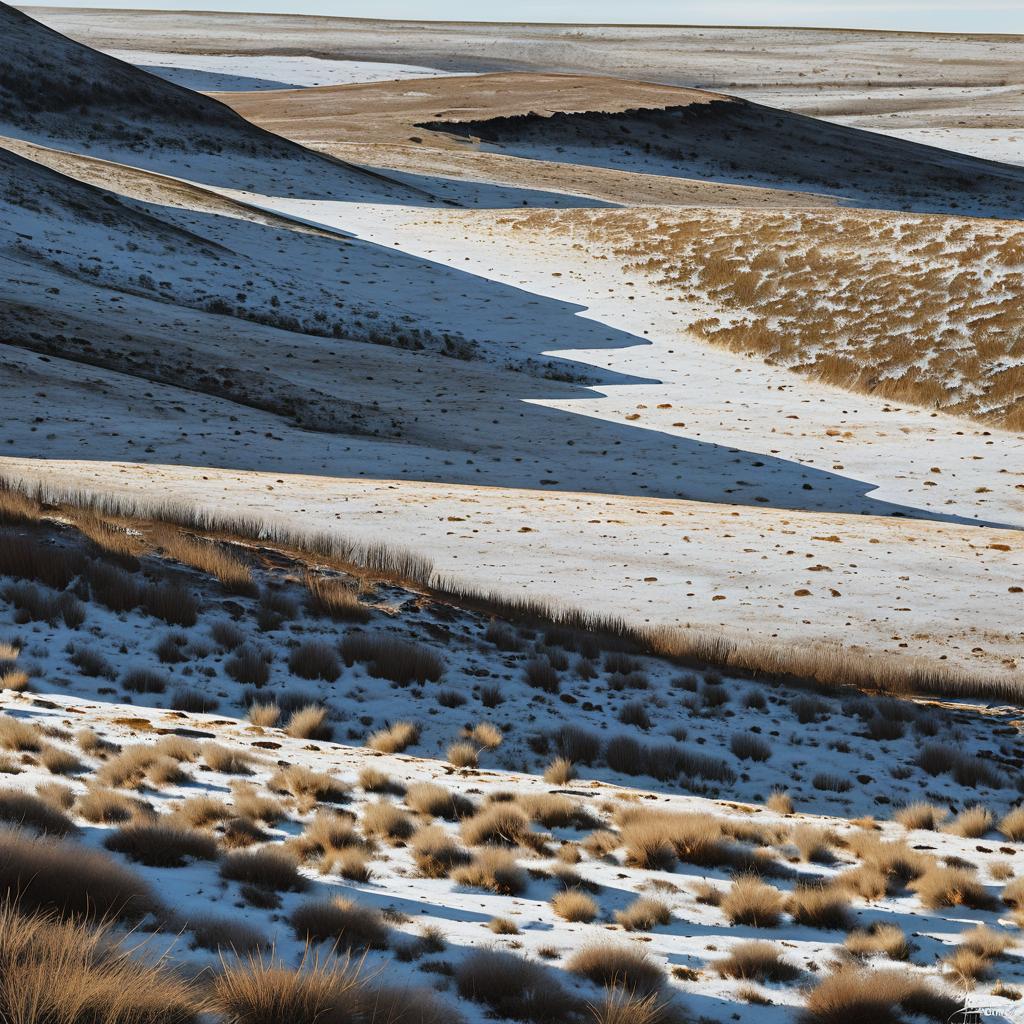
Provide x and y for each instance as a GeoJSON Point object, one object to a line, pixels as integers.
{"type": "Point", "coordinates": [840, 756]}
{"type": "Point", "coordinates": [232, 73]}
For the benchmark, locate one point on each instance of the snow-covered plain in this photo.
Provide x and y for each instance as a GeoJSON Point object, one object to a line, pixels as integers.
{"type": "Point", "coordinates": [233, 73]}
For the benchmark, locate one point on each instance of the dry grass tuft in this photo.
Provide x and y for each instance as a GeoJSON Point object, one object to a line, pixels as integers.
{"type": "Point", "coordinates": [267, 869]}
{"type": "Point", "coordinates": [614, 965]}
{"type": "Point", "coordinates": [315, 659]}
{"type": "Point", "coordinates": [437, 801]}
{"type": "Point", "coordinates": [756, 961]}
{"type": "Point", "coordinates": [435, 853]}
{"type": "Point", "coordinates": [643, 915]}
{"type": "Point", "coordinates": [1011, 825]}
{"type": "Point", "coordinates": [343, 922]}
{"type": "Point", "coordinates": [332, 991]}
{"type": "Point", "coordinates": [966, 967]}
{"type": "Point", "coordinates": [23, 810]}
{"type": "Point", "coordinates": [497, 823]}
{"type": "Point", "coordinates": [887, 939]}
{"type": "Point", "coordinates": [493, 869]}
{"type": "Point", "coordinates": [971, 823]}
{"type": "Point", "coordinates": [395, 738]}
{"type": "Point", "coordinates": [463, 755]}
{"type": "Point", "coordinates": [334, 597]}
{"type": "Point", "coordinates": [574, 905]}
{"type": "Point", "coordinates": [108, 807]}
{"type": "Point", "coordinates": [307, 785]}
{"type": "Point", "coordinates": [226, 934]}
{"type": "Point", "coordinates": [819, 906]}
{"type": "Point", "coordinates": [559, 772]}
{"type": "Point", "coordinates": [750, 901]}
{"type": "Point", "coordinates": [70, 880]}
{"type": "Point", "coordinates": [921, 815]}
{"type": "Point", "coordinates": [18, 735]}
{"type": "Point", "coordinates": [386, 657]}
{"type": "Point", "coordinates": [160, 845]}
{"type": "Point", "coordinates": [850, 994]}
{"type": "Point", "coordinates": [227, 760]}
{"type": "Point", "coordinates": [384, 820]}
{"type": "Point", "coordinates": [62, 972]}
{"type": "Point", "coordinates": [265, 715]}
{"type": "Point", "coordinates": [309, 723]}
{"type": "Point", "coordinates": [951, 887]}
{"type": "Point", "coordinates": [514, 988]}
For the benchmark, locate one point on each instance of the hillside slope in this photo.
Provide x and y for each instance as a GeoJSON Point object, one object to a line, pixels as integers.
{"type": "Point", "coordinates": [60, 92]}
{"type": "Point", "coordinates": [729, 140]}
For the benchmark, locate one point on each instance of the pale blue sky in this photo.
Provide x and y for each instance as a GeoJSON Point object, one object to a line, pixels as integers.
{"type": "Point", "coordinates": [919, 15]}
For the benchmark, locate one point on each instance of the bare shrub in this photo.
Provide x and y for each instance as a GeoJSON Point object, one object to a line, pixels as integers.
{"type": "Point", "coordinates": [757, 961]}
{"type": "Point", "coordinates": [268, 869]}
{"type": "Point", "coordinates": [514, 988]}
{"type": "Point", "coordinates": [617, 966]}
{"type": "Point", "coordinates": [574, 905]}
{"type": "Point", "coordinates": [343, 922]}
{"type": "Point", "coordinates": [493, 869]}
{"type": "Point", "coordinates": [160, 845]}
{"type": "Point", "coordinates": [750, 901]}
{"type": "Point", "coordinates": [387, 657]}
{"type": "Point", "coordinates": [395, 738]}
{"type": "Point", "coordinates": [643, 915]}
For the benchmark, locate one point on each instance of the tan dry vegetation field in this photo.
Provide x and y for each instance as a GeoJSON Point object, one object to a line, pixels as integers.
{"type": "Point", "coordinates": [831, 295]}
